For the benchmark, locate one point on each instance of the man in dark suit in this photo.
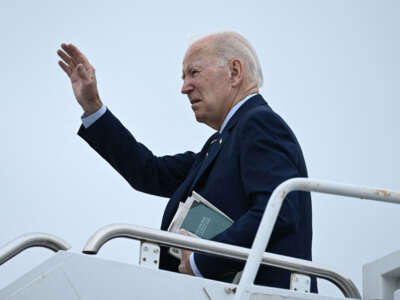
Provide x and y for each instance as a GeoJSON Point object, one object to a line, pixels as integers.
{"type": "Point", "coordinates": [252, 152]}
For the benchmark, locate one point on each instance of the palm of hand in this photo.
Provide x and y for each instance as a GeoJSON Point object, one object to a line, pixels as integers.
{"type": "Point", "coordinates": [85, 90]}
{"type": "Point", "coordinates": [82, 75]}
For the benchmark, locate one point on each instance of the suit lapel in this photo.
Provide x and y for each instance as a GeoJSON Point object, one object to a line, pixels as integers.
{"type": "Point", "coordinates": [209, 156]}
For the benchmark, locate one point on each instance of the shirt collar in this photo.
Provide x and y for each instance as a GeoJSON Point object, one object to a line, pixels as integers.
{"type": "Point", "coordinates": [233, 110]}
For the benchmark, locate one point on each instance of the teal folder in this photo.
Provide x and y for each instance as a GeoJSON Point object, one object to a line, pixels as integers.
{"type": "Point", "coordinates": [204, 221]}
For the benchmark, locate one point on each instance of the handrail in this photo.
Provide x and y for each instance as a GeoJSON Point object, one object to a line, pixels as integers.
{"type": "Point", "coordinates": [29, 240]}
{"type": "Point", "coordinates": [108, 232]}
{"type": "Point", "coordinates": [274, 205]}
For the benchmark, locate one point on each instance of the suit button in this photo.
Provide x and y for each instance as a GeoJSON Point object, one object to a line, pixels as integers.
{"type": "Point", "coordinates": [220, 141]}
{"type": "Point", "coordinates": [207, 154]}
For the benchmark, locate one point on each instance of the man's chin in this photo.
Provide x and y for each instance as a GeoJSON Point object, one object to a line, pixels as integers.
{"type": "Point", "coordinates": [199, 117]}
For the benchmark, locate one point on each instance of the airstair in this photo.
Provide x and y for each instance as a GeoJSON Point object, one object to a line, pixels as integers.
{"type": "Point", "coordinates": [83, 276]}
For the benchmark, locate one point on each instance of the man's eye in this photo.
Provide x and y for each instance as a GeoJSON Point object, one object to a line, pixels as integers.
{"type": "Point", "coordinates": [194, 72]}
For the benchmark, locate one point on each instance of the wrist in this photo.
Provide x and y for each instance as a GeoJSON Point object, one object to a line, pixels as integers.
{"type": "Point", "coordinates": [93, 107]}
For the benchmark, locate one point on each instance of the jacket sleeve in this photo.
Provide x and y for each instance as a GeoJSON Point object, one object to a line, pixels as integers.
{"type": "Point", "coordinates": [144, 171]}
{"type": "Point", "coordinates": [268, 155]}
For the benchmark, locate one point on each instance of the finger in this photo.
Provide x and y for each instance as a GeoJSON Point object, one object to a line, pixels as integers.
{"type": "Point", "coordinates": [66, 58]}
{"type": "Point", "coordinates": [67, 49]}
{"type": "Point", "coordinates": [65, 67]}
{"type": "Point", "coordinates": [82, 72]}
{"type": "Point", "coordinates": [77, 55]}
{"type": "Point", "coordinates": [185, 255]}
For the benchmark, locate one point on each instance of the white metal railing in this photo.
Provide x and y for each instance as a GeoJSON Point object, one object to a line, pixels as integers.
{"type": "Point", "coordinates": [108, 232]}
{"type": "Point", "coordinates": [256, 255]}
{"type": "Point", "coordinates": [30, 240]}
{"type": "Point", "coordinates": [274, 205]}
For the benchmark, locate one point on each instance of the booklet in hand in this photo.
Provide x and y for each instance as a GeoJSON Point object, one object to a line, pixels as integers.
{"type": "Point", "coordinates": [200, 218]}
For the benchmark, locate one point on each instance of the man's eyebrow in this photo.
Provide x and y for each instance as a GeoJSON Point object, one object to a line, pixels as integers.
{"type": "Point", "coordinates": [183, 71]}
{"type": "Point", "coordinates": [189, 69]}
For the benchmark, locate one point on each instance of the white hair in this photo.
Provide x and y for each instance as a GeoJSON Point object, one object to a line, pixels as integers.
{"type": "Point", "coordinates": [228, 45]}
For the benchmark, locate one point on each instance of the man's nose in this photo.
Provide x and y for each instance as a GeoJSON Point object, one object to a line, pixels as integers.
{"type": "Point", "coordinates": [187, 87]}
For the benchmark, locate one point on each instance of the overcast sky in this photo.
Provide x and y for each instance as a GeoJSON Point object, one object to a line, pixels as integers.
{"type": "Point", "coordinates": [331, 69]}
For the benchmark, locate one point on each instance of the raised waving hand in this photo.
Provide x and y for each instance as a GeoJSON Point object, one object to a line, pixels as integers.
{"type": "Point", "coordinates": [82, 75]}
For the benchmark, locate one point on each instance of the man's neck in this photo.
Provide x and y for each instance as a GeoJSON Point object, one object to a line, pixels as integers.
{"type": "Point", "coordinates": [239, 97]}
{"type": "Point", "coordinates": [233, 110]}
{"type": "Point", "coordinates": [243, 94]}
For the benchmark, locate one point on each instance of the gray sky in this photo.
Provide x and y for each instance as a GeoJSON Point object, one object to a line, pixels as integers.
{"type": "Point", "coordinates": [331, 71]}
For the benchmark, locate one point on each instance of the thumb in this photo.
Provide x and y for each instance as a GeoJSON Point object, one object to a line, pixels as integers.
{"type": "Point", "coordinates": [184, 232]}
{"type": "Point", "coordinates": [82, 72]}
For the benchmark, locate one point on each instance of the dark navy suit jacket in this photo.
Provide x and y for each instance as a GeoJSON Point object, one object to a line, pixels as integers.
{"type": "Point", "coordinates": [236, 170]}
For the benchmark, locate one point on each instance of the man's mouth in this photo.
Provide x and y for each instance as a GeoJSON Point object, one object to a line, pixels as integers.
{"type": "Point", "coordinates": [194, 101]}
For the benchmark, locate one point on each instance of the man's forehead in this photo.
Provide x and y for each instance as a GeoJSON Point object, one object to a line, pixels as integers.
{"type": "Point", "coordinates": [192, 54]}
{"type": "Point", "coordinates": [196, 55]}
{"type": "Point", "coordinates": [192, 61]}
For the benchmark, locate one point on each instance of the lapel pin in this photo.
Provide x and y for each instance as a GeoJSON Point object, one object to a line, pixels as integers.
{"type": "Point", "coordinates": [220, 141]}
{"type": "Point", "coordinates": [213, 141]}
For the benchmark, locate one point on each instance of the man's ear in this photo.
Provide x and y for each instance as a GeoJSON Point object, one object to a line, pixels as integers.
{"type": "Point", "coordinates": [236, 71]}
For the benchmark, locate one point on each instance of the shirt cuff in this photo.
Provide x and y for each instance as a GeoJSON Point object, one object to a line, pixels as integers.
{"type": "Point", "coordinates": [194, 267]}
{"type": "Point", "coordinates": [87, 121]}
